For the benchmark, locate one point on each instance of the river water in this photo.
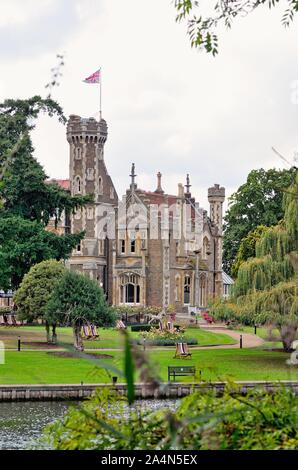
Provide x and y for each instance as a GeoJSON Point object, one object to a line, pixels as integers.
{"type": "Point", "coordinates": [21, 423]}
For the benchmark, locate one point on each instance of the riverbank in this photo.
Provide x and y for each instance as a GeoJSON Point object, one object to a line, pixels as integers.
{"type": "Point", "coordinates": [11, 393]}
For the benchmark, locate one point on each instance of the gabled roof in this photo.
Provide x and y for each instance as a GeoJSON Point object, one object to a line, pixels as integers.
{"type": "Point", "coordinates": [226, 279]}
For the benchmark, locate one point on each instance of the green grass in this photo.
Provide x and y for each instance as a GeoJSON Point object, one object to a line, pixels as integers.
{"type": "Point", "coordinates": [108, 337]}
{"type": "Point", "coordinates": [28, 367]}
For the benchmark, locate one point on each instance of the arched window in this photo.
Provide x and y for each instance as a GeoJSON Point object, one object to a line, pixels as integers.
{"type": "Point", "coordinates": [112, 193]}
{"type": "Point", "coordinates": [78, 184]}
{"type": "Point", "coordinates": [186, 291]}
{"type": "Point", "coordinates": [129, 289]}
{"type": "Point", "coordinates": [100, 185]}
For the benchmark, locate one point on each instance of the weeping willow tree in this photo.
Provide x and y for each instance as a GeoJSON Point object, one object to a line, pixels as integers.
{"type": "Point", "coordinates": [266, 288]}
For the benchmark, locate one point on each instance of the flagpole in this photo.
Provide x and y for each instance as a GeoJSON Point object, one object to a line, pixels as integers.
{"type": "Point", "coordinates": [100, 93]}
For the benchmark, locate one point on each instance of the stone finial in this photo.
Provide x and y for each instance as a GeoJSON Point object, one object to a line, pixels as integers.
{"type": "Point", "coordinates": [133, 177]}
{"type": "Point", "coordinates": [187, 186]}
{"type": "Point", "coordinates": [159, 188]}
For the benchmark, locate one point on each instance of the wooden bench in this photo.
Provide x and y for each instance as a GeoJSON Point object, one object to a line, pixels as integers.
{"type": "Point", "coordinates": [181, 371]}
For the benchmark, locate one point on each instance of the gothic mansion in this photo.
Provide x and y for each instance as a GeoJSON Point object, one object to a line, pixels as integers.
{"type": "Point", "coordinates": [139, 249]}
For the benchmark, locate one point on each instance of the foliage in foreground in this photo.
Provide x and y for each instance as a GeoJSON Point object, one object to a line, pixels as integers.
{"type": "Point", "coordinates": [201, 421]}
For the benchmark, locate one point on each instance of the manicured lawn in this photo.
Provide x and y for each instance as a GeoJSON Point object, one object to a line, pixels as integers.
{"type": "Point", "coordinates": [108, 337]}
{"type": "Point", "coordinates": [251, 364]}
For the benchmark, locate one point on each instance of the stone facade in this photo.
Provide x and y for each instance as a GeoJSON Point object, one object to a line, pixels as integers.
{"type": "Point", "coordinates": [151, 248]}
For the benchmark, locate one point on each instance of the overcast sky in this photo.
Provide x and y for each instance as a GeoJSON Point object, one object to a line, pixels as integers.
{"type": "Point", "coordinates": [168, 108]}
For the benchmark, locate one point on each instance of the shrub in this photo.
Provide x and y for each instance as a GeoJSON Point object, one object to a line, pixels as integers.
{"type": "Point", "coordinates": [201, 421]}
{"type": "Point", "coordinates": [5, 310]}
{"type": "Point", "coordinates": [143, 327]}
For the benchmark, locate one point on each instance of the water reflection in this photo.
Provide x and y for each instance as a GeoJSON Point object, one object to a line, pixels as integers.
{"type": "Point", "coordinates": [21, 423]}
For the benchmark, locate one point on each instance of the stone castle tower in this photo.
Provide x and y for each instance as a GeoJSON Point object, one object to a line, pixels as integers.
{"type": "Point", "coordinates": [88, 175]}
{"type": "Point", "coordinates": [216, 197]}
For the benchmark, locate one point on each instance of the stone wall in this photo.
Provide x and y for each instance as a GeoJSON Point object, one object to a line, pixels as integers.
{"type": "Point", "coordinates": [166, 390]}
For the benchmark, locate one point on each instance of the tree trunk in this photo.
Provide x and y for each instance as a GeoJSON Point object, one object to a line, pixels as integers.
{"type": "Point", "coordinates": [287, 334]}
{"type": "Point", "coordinates": [78, 342]}
{"type": "Point", "coordinates": [48, 332]}
{"type": "Point", "coordinates": [54, 335]}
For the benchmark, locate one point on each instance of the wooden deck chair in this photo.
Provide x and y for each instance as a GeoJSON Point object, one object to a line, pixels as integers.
{"type": "Point", "coordinates": [187, 353]}
{"type": "Point", "coordinates": [120, 325]}
{"type": "Point", "coordinates": [94, 331]}
{"type": "Point", "coordinates": [182, 351]}
{"type": "Point", "coordinates": [86, 332]}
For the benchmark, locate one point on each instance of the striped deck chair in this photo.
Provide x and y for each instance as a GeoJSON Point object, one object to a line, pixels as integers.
{"type": "Point", "coordinates": [120, 325]}
{"type": "Point", "coordinates": [94, 331]}
{"type": "Point", "coordinates": [170, 326]}
{"type": "Point", "coordinates": [86, 332]}
{"type": "Point", "coordinates": [182, 351]}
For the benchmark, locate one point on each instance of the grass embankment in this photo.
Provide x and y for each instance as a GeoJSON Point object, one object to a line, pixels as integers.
{"type": "Point", "coordinates": [33, 337]}
{"type": "Point", "coordinates": [36, 367]}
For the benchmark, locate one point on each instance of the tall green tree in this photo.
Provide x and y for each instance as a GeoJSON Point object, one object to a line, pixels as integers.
{"type": "Point", "coordinates": [24, 243]}
{"type": "Point", "coordinates": [27, 199]}
{"type": "Point", "coordinates": [35, 291]}
{"type": "Point", "coordinates": [24, 189]}
{"type": "Point", "coordinates": [202, 23]}
{"type": "Point", "coordinates": [78, 300]}
{"type": "Point", "coordinates": [266, 288]}
{"type": "Point", "coordinates": [247, 248]}
{"type": "Point", "coordinates": [259, 201]}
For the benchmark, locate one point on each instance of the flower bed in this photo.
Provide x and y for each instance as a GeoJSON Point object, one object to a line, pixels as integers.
{"type": "Point", "coordinates": [156, 337]}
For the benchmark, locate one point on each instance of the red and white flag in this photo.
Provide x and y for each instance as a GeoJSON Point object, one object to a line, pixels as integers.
{"type": "Point", "coordinates": [94, 78]}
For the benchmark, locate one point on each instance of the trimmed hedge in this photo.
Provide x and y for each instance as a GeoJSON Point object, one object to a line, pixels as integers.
{"type": "Point", "coordinates": [142, 327]}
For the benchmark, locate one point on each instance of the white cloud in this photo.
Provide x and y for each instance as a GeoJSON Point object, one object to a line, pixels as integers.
{"type": "Point", "coordinates": [14, 12]}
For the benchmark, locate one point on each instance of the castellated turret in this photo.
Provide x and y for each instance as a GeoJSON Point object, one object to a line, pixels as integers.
{"type": "Point", "coordinates": [216, 197]}
{"type": "Point", "coordinates": [88, 175]}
